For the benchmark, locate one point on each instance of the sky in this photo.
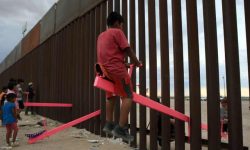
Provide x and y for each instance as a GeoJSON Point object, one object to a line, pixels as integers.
{"type": "Point", "coordinates": [15, 13]}
{"type": "Point", "coordinates": [13, 16]}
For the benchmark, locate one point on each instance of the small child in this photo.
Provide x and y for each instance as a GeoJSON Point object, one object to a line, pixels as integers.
{"type": "Point", "coordinates": [224, 115]}
{"type": "Point", "coordinates": [10, 119]}
{"type": "Point", "coordinates": [31, 95]}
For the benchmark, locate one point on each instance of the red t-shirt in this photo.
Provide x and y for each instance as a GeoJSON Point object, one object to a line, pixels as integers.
{"type": "Point", "coordinates": [110, 52]}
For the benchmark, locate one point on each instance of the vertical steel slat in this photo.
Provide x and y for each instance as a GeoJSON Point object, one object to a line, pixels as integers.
{"type": "Point", "coordinates": [165, 75]}
{"type": "Point", "coordinates": [81, 69]}
{"type": "Point", "coordinates": [178, 73]}
{"type": "Point", "coordinates": [47, 71]}
{"type": "Point", "coordinates": [103, 97]}
{"type": "Point", "coordinates": [232, 74]}
{"type": "Point", "coordinates": [58, 79]}
{"type": "Point", "coordinates": [55, 68]}
{"type": "Point", "coordinates": [85, 70]}
{"type": "Point", "coordinates": [62, 45]}
{"type": "Point", "coordinates": [212, 70]}
{"type": "Point", "coordinates": [87, 21]}
{"type": "Point", "coordinates": [125, 25]}
{"type": "Point", "coordinates": [110, 6]}
{"type": "Point", "coordinates": [74, 98]}
{"type": "Point", "coordinates": [97, 91]}
{"type": "Point", "coordinates": [117, 5]}
{"type": "Point", "coordinates": [142, 76]}
{"type": "Point", "coordinates": [75, 75]}
{"type": "Point", "coordinates": [69, 74]}
{"type": "Point", "coordinates": [117, 105]}
{"type": "Point", "coordinates": [59, 56]}
{"type": "Point", "coordinates": [52, 66]}
{"type": "Point", "coordinates": [247, 20]}
{"type": "Point", "coordinates": [76, 65]}
{"type": "Point", "coordinates": [153, 71]}
{"type": "Point", "coordinates": [91, 64]}
{"type": "Point", "coordinates": [66, 57]}
{"type": "Point", "coordinates": [41, 79]}
{"type": "Point", "coordinates": [194, 75]}
{"type": "Point", "coordinates": [125, 16]}
{"type": "Point", "coordinates": [133, 78]}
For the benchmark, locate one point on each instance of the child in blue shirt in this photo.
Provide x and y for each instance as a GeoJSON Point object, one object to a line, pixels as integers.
{"type": "Point", "coordinates": [10, 118]}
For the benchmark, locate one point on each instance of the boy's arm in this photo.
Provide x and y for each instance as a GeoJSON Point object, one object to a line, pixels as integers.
{"type": "Point", "coordinates": [14, 112]}
{"type": "Point", "coordinates": [132, 56]}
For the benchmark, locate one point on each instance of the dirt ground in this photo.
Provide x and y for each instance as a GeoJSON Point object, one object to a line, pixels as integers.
{"type": "Point", "coordinates": [73, 138]}
{"type": "Point", "coordinates": [69, 139]}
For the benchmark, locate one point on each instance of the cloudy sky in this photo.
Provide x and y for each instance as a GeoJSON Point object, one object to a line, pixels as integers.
{"type": "Point", "coordinates": [14, 14]}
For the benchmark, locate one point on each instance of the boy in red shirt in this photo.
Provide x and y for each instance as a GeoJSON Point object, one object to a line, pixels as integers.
{"type": "Point", "coordinates": [112, 48]}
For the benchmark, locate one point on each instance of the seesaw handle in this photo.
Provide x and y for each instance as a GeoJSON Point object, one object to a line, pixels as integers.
{"type": "Point", "coordinates": [131, 68]}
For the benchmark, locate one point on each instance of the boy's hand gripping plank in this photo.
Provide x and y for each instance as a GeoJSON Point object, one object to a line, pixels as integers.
{"type": "Point", "coordinates": [108, 86]}
{"type": "Point", "coordinates": [64, 126]}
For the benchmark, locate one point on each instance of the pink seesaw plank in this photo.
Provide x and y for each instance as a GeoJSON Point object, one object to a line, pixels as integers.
{"type": "Point", "coordinates": [204, 126]}
{"type": "Point", "coordinates": [29, 104]}
{"type": "Point", "coordinates": [108, 86]}
{"type": "Point", "coordinates": [64, 126]}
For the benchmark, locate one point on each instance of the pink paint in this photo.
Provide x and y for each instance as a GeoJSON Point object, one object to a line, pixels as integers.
{"type": "Point", "coordinates": [29, 104]}
{"type": "Point", "coordinates": [108, 86]}
{"type": "Point", "coordinates": [131, 70]}
{"type": "Point", "coordinates": [204, 126]}
{"type": "Point", "coordinates": [64, 126]}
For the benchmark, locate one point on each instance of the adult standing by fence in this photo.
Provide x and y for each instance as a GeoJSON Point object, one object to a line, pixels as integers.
{"type": "Point", "coordinates": [31, 95]}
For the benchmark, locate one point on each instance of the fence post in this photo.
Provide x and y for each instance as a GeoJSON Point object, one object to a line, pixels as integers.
{"type": "Point", "coordinates": [232, 74]}
{"type": "Point", "coordinates": [178, 73]}
{"type": "Point", "coordinates": [212, 70]}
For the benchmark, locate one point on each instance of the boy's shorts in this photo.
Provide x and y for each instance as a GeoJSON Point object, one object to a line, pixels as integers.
{"type": "Point", "coordinates": [123, 88]}
{"type": "Point", "coordinates": [12, 126]}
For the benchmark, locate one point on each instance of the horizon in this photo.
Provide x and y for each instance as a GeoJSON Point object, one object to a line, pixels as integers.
{"type": "Point", "coordinates": [32, 12]}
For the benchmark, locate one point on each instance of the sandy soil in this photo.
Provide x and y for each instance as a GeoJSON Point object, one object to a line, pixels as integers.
{"type": "Point", "coordinates": [69, 139]}
{"type": "Point", "coordinates": [73, 138]}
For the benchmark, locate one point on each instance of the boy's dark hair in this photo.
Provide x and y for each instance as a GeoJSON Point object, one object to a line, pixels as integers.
{"type": "Point", "coordinates": [4, 88]}
{"type": "Point", "coordinates": [10, 96]}
{"type": "Point", "coordinates": [20, 81]}
{"type": "Point", "coordinates": [12, 80]}
{"type": "Point", "coordinates": [113, 17]}
{"type": "Point", "coordinates": [11, 85]}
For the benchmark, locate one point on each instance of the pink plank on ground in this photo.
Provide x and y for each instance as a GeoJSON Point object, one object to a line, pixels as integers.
{"type": "Point", "coordinates": [30, 104]}
{"type": "Point", "coordinates": [64, 126]}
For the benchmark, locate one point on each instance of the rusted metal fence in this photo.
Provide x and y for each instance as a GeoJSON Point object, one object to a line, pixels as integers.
{"type": "Point", "coordinates": [62, 69]}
